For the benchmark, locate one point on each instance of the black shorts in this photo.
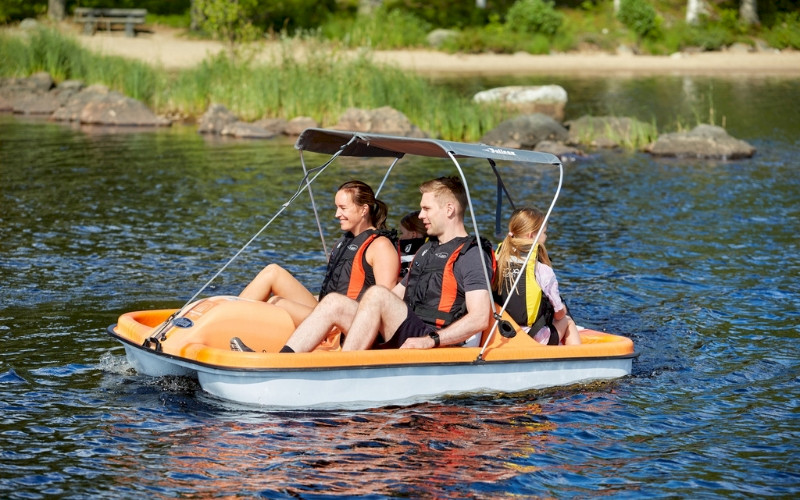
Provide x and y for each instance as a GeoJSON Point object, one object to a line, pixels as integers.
{"type": "Point", "coordinates": [412, 326]}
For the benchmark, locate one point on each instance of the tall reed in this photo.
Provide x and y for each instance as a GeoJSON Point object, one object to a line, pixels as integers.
{"type": "Point", "coordinates": [322, 84]}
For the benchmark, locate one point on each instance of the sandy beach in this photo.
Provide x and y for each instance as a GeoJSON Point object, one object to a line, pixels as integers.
{"type": "Point", "coordinates": [168, 48]}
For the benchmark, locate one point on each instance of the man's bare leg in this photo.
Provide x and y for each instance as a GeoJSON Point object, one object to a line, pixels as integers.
{"type": "Point", "coordinates": [379, 310]}
{"type": "Point", "coordinates": [333, 310]}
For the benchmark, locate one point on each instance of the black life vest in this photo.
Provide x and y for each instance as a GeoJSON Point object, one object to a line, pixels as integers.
{"type": "Point", "coordinates": [408, 248]}
{"type": "Point", "coordinates": [348, 271]}
{"type": "Point", "coordinates": [432, 291]}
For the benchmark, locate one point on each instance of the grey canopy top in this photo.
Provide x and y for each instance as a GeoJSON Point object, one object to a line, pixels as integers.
{"type": "Point", "coordinates": [363, 144]}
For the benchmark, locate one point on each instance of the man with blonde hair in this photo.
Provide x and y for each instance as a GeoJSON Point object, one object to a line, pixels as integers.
{"type": "Point", "coordinates": [444, 300]}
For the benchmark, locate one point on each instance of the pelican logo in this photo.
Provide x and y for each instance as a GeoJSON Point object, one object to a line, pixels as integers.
{"type": "Point", "coordinates": [352, 247]}
{"type": "Point", "coordinates": [442, 255]}
{"type": "Point", "coordinates": [500, 151]}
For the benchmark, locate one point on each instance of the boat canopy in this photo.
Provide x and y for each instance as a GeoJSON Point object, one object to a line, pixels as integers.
{"type": "Point", "coordinates": [362, 144]}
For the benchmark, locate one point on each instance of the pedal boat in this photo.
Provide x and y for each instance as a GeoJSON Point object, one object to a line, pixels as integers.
{"type": "Point", "coordinates": [194, 341]}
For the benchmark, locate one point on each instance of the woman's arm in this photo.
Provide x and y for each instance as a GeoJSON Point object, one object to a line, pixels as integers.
{"type": "Point", "coordinates": [385, 261]}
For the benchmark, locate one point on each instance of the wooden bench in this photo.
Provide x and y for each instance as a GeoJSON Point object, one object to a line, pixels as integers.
{"type": "Point", "coordinates": [91, 17]}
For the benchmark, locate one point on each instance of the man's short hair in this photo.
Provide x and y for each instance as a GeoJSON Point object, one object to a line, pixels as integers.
{"type": "Point", "coordinates": [447, 189]}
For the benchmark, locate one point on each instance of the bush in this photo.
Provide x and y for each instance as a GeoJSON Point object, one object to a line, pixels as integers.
{"type": "Point", "coordinates": [640, 17]}
{"type": "Point", "coordinates": [534, 16]}
{"type": "Point", "coordinates": [383, 29]}
{"type": "Point", "coordinates": [17, 10]}
{"type": "Point", "coordinates": [786, 32]}
{"type": "Point", "coordinates": [450, 13]}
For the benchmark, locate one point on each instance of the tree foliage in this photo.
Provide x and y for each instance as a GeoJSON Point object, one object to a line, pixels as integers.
{"type": "Point", "coordinates": [534, 16]}
{"type": "Point", "coordinates": [639, 16]}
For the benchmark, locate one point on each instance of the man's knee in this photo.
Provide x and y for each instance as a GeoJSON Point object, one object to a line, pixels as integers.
{"type": "Point", "coordinates": [334, 302]}
{"type": "Point", "coordinates": [376, 293]}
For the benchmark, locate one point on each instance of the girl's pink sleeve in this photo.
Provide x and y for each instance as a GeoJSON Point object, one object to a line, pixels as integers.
{"type": "Point", "coordinates": [546, 278]}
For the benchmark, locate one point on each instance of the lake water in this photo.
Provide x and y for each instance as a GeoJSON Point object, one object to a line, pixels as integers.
{"type": "Point", "coordinates": [696, 261]}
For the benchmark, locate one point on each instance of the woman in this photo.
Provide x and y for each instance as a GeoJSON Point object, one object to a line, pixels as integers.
{"type": "Point", "coordinates": [536, 303]}
{"type": "Point", "coordinates": [364, 256]}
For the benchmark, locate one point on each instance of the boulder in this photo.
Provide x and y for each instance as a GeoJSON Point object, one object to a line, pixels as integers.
{"type": "Point", "coordinates": [38, 103]}
{"type": "Point", "coordinates": [40, 82]}
{"type": "Point", "coordinates": [274, 125]}
{"type": "Point", "coordinates": [215, 119]}
{"type": "Point", "coordinates": [703, 141]}
{"type": "Point", "coordinates": [71, 110]}
{"type": "Point", "coordinates": [609, 131]}
{"type": "Point", "coordinates": [97, 105]}
{"type": "Point", "coordinates": [118, 110]}
{"type": "Point", "coordinates": [29, 95]}
{"type": "Point", "coordinates": [438, 37]}
{"type": "Point", "coordinates": [525, 132]}
{"type": "Point", "coordinates": [546, 99]}
{"type": "Point", "coordinates": [246, 131]}
{"type": "Point", "coordinates": [385, 120]}
{"type": "Point", "coordinates": [299, 123]}
{"type": "Point", "coordinates": [559, 149]}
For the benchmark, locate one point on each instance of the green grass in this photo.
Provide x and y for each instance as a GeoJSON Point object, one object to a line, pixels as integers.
{"type": "Point", "coordinates": [322, 86]}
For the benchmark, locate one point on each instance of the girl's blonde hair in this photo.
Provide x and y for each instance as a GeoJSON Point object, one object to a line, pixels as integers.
{"type": "Point", "coordinates": [523, 222]}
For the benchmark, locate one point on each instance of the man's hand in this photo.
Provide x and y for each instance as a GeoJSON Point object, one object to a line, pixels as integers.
{"type": "Point", "coordinates": [418, 343]}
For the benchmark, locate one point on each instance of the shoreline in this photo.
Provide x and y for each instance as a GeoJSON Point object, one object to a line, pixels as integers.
{"type": "Point", "coordinates": [167, 48]}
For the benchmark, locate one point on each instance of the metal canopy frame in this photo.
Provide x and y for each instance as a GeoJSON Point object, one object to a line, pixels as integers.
{"type": "Point", "coordinates": [366, 145]}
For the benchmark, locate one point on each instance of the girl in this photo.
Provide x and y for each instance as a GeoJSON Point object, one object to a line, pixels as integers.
{"type": "Point", "coordinates": [364, 256]}
{"type": "Point", "coordinates": [412, 236]}
{"type": "Point", "coordinates": [536, 304]}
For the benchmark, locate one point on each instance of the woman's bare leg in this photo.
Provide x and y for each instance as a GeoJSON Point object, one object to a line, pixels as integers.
{"type": "Point", "coordinates": [297, 311]}
{"type": "Point", "coordinates": [275, 280]}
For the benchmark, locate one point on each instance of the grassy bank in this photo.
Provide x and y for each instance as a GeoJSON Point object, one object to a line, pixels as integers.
{"type": "Point", "coordinates": [321, 86]}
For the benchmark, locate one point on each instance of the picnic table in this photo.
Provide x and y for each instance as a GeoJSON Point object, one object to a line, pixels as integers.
{"type": "Point", "coordinates": [91, 17]}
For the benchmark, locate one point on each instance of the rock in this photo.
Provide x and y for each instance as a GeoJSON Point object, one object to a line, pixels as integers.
{"type": "Point", "coordinates": [41, 81]}
{"type": "Point", "coordinates": [559, 149]}
{"type": "Point", "coordinates": [385, 120]}
{"type": "Point", "coordinates": [97, 105]}
{"type": "Point", "coordinates": [71, 110]}
{"type": "Point", "coordinates": [525, 132]}
{"type": "Point", "coordinates": [546, 99]}
{"type": "Point", "coordinates": [274, 125]}
{"type": "Point", "coordinates": [34, 95]}
{"type": "Point", "coordinates": [439, 37]}
{"type": "Point", "coordinates": [298, 124]}
{"type": "Point", "coordinates": [739, 48]}
{"type": "Point", "coordinates": [29, 24]}
{"type": "Point", "coordinates": [119, 110]}
{"type": "Point", "coordinates": [215, 119]}
{"type": "Point", "coordinates": [609, 131]}
{"type": "Point", "coordinates": [762, 46]}
{"type": "Point", "coordinates": [625, 50]}
{"type": "Point", "coordinates": [38, 103]}
{"type": "Point", "coordinates": [246, 131]}
{"type": "Point", "coordinates": [704, 141]}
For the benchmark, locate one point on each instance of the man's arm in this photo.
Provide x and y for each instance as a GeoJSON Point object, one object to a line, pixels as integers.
{"type": "Point", "coordinates": [478, 315]}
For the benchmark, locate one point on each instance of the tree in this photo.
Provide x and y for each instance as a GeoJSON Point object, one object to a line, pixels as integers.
{"type": "Point", "coordinates": [748, 12]}
{"type": "Point", "coordinates": [228, 21]}
{"type": "Point", "coordinates": [56, 9]}
{"type": "Point", "coordinates": [694, 10]}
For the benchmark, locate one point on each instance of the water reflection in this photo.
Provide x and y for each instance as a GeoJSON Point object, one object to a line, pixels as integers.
{"type": "Point", "coordinates": [448, 449]}
{"type": "Point", "coordinates": [696, 261]}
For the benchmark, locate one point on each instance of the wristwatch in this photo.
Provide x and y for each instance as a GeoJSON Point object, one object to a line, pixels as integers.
{"type": "Point", "coordinates": [435, 337]}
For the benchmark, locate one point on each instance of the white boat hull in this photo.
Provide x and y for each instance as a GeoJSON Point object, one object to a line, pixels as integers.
{"type": "Point", "coordinates": [373, 387]}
